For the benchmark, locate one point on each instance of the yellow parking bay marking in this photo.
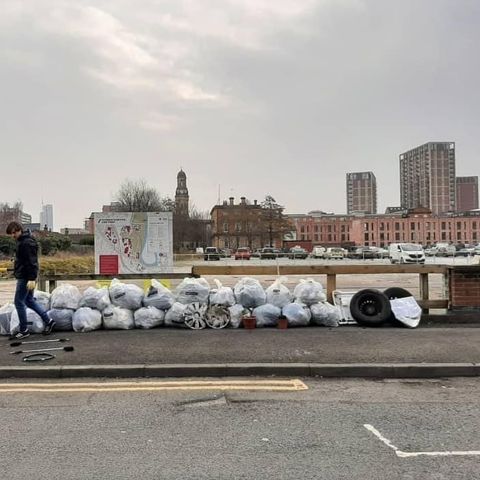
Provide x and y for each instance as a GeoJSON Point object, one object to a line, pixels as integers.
{"type": "Point", "coordinates": [256, 385]}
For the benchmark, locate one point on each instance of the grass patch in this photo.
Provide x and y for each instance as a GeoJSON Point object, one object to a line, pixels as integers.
{"type": "Point", "coordinates": [60, 264]}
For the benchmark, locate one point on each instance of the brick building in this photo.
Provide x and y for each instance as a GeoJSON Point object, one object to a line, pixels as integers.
{"type": "Point", "coordinates": [243, 225]}
{"type": "Point", "coordinates": [416, 226]}
{"type": "Point", "coordinates": [467, 193]}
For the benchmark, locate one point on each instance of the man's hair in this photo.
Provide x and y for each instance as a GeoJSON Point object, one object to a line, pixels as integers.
{"type": "Point", "coordinates": [13, 227]}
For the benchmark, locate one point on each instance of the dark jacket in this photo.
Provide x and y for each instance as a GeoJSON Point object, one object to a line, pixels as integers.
{"type": "Point", "coordinates": [26, 257]}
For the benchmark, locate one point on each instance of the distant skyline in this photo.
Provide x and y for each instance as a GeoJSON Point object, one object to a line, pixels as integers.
{"type": "Point", "coordinates": [254, 97]}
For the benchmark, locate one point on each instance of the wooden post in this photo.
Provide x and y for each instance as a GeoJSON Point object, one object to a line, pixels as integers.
{"type": "Point", "coordinates": [52, 285]}
{"type": "Point", "coordinates": [331, 286]}
{"type": "Point", "coordinates": [424, 289]}
{"type": "Point", "coordinates": [42, 284]}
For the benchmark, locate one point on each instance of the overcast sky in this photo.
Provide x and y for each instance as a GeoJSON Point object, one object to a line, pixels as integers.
{"type": "Point", "coordinates": [252, 97]}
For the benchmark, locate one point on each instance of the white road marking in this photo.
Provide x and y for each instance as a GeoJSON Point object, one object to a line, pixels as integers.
{"type": "Point", "coordinates": [403, 454]}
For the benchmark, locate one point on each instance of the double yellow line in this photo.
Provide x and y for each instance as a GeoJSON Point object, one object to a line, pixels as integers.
{"type": "Point", "coordinates": [155, 386]}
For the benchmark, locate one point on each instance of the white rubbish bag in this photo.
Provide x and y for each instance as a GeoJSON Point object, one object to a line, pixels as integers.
{"type": "Point", "coordinates": [221, 295]}
{"type": "Point", "coordinates": [158, 296]}
{"type": "Point", "coordinates": [407, 311]}
{"type": "Point", "coordinates": [325, 314]}
{"type": "Point", "coordinates": [175, 316]}
{"type": "Point", "coordinates": [278, 294]}
{"type": "Point", "coordinates": [65, 296]}
{"type": "Point", "coordinates": [34, 322]}
{"type": "Point", "coordinates": [63, 318]}
{"type": "Point", "coordinates": [298, 314]}
{"type": "Point", "coordinates": [86, 319]}
{"type": "Point", "coordinates": [192, 290]}
{"type": "Point", "coordinates": [97, 298]}
{"type": "Point", "coordinates": [118, 318]}
{"type": "Point", "coordinates": [308, 291]}
{"type": "Point", "coordinates": [267, 315]}
{"type": "Point", "coordinates": [125, 295]}
{"type": "Point", "coordinates": [249, 292]}
{"type": "Point", "coordinates": [5, 318]}
{"type": "Point", "coordinates": [148, 317]}
{"type": "Point", "coordinates": [237, 312]}
{"type": "Point", "coordinates": [42, 298]}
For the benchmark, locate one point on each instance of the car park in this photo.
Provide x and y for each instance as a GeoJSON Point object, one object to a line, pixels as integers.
{"type": "Point", "coordinates": [243, 253]}
{"type": "Point", "coordinates": [297, 252]}
{"type": "Point", "coordinates": [211, 253]}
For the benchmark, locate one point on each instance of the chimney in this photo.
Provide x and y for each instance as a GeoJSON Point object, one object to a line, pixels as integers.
{"type": "Point", "coordinates": [242, 201]}
{"type": "Point", "coordinates": [254, 202]}
{"type": "Point", "coordinates": [231, 201]}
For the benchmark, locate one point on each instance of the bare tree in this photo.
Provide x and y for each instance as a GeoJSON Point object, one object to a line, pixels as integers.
{"type": "Point", "coordinates": [274, 221]}
{"type": "Point", "coordinates": [9, 214]}
{"type": "Point", "coordinates": [137, 196]}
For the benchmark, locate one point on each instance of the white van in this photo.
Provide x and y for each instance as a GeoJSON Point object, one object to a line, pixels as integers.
{"type": "Point", "coordinates": [335, 253]}
{"type": "Point", "coordinates": [406, 253]}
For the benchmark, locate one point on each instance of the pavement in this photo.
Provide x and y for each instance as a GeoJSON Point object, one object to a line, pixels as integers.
{"type": "Point", "coordinates": [348, 351]}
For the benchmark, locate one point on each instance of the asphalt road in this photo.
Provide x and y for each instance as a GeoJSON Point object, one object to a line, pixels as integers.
{"type": "Point", "coordinates": [319, 433]}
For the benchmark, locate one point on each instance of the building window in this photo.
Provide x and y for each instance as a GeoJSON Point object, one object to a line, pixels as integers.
{"type": "Point", "coordinates": [444, 225]}
{"type": "Point", "coordinates": [444, 236]}
{"type": "Point", "coordinates": [412, 225]}
{"type": "Point", "coordinates": [316, 237]}
{"type": "Point", "coordinates": [238, 227]}
{"type": "Point", "coordinates": [225, 227]}
{"type": "Point", "coordinates": [302, 229]}
{"type": "Point", "coordinates": [397, 236]}
{"type": "Point", "coordinates": [397, 225]}
{"type": "Point", "coordinates": [366, 237]}
{"type": "Point", "coordinates": [459, 225]}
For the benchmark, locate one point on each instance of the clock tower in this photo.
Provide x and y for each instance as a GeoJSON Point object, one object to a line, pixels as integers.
{"type": "Point", "coordinates": [181, 195]}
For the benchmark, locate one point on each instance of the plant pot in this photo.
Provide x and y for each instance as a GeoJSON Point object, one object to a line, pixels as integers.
{"type": "Point", "coordinates": [282, 323]}
{"type": "Point", "coordinates": [249, 322]}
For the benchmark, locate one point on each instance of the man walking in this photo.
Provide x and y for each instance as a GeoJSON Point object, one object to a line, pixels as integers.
{"type": "Point", "coordinates": [26, 271]}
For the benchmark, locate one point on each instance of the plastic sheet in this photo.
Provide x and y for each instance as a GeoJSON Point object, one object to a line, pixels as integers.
{"type": "Point", "coordinates": [407, 311]}
{"type": "Point", "coordinates": [118, 318]}
{"type": "Point", "coordinates": [42, 298]}
{"type": "Point", "coordinates": [34, 322]}
{"type": "Point", "coordinates": [97, 298]}
{"type": "Point", "coordinates": [221, 295]}
{"type": "Point", "coordinates": [65, 296]}
{"type": "Point", "coordinates": [298, 314]}
{"type": "Point", "coordinates": [5, 318]}
{"type": "Point", "coordinates": [278, 294]}
{"type": "Point", "coordinates": [237, 312]}
{"type": "Point", "coordinates": [192, 290]}
{"type": "Point", "coordinates": [325, 314]}
{"type": "Point", "coordinates": [86, 319]}
{"type": "Point", "coordinates": [308, 291]}
{"type": "Point", "coordinates": [174, 316]}
{"type": "Point", "coordinates": [63, 318]}
{"type": "Point", "coordinates": [267, 315]}
{"type": "Point", "coordinates": [125, 295]}
{"type": "Point", "coordinates": [159, 296]}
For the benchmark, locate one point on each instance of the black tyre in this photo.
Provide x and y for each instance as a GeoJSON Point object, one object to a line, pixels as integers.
{"type": "Point", "coordinates": [370, 308]}
{"type": "Point", "coordinates": [396, 292]}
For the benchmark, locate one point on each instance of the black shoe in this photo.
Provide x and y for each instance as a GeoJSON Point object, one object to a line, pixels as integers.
{"type": "Point", "coordinates": [48, 328]}
{"type": "Point", "coordinates": [20, 335]}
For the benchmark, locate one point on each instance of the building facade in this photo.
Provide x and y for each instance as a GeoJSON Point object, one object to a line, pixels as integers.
{"type": "Point", "coordinates": [181, 195]}
{"type": "Point", "coordinates": [427, 177]}
{"type": "Point", "coordinates": [246, 225]}
{"type": "Point", "coordinates": [467, 193]}
{"type": "Point", "coordinates": [416, 226]}
{"type": "Point", "coordinates": [361, 192]}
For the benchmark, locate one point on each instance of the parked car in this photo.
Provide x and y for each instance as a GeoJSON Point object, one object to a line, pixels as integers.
{"type": "Point", "coordinates": [297, 252]}
{"type": "Point", "coordinates": [364, 253]}
{"type": "Point", "coordinates": [335, 253]}
{"type": "Point", "coordinates": [211, 253]}
{"type": "Point", "coordinates": [318, 252]}
{"type": "Point", "coordinates": [406, 253]}
{"type": "Point", "coordinates": [267, 253]}
{"type": "Point", "coordinates": [243, 253]}
{"type": "Point", "coordinates": [256, 253]}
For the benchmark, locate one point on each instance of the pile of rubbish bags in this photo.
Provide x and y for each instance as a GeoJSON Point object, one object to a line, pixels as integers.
{"type": "Point", "coordinates": [193, 304]}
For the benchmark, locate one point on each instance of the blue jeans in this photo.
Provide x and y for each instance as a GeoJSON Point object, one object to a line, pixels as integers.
{"type": "Point", "coordinates": [23, 299]}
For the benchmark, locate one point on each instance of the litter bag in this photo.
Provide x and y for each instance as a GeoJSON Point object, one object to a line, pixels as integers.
{"type": "Point", "coordinates": [86, 319]}
{"type": "Point", "coordinates": [407, 311]}
{"type": "Point", "coordinates": [34, 322]}
{"type": "Point", "coordinates": [192, 290]}
{"type": "Point", "coordinates": [175, 316]}
{"type": "Point", "coordinates": [63, 318]}
{"type": "Point", "coordinates": [125, 295]}
{"type": "Point", "coordinates": [118, 318]}
{"type": "Point", "coordinates": [267, 315]}
{"type": "Point", "coordinates": [237, 312]}
{"type": "Point", "coordinates": [278, 294]}
{"type": "Point", "coordinates": [65, 296]}
{"type": "Point", "coordinates": [97, 298]}
{"type": "Point", "coordinates": [249, 292]}
{"type": "Point", "coordinates": [221, 295]}
{"type": "Point", "coordinates": [148, 317]}
{"type": "Point", "coordinates": [309, 292]}
{"type": "Point", "coordinates": [159, 296]}
{"type": "Point", "coordinates": [42, 298]}
{"type": "Point", "coordinates": [325, 314]}
{"type": "Point", "coordinates": [5, 318]}
{"type": "Point", "coordinates": [298, 314]}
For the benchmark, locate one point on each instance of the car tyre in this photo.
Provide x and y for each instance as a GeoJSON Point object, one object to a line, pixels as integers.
{"type": "Point", "coordinates": [370, 307]}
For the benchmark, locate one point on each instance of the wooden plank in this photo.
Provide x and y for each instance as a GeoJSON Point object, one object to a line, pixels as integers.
{"type": "Point", "coordinates": [424, 288]}
{"type": "Point", "coordinates": [315, 269]}
{"type": "Point", "coordinates": [331, 286]}
{"type": "Point", "coordinates": [123, 276]}
{"type": "Point", "coordinates": [439, 303]}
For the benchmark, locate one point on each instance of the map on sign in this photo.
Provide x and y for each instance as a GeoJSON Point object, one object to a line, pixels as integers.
{"type": "Point", "coordinates": [133, 242]}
